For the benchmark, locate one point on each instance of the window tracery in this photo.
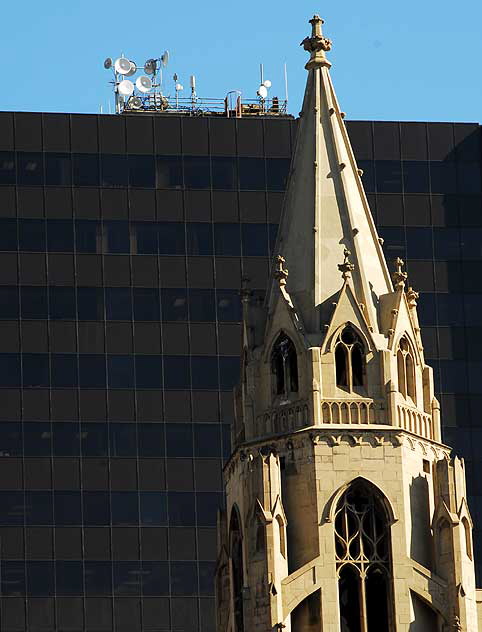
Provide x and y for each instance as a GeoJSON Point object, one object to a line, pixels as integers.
{"type": "Point", "coordinates": [349, 360]}
{"type": "Point", "coordinates": [406, 370]}
{"type": "Point", "coordinates": [362, 547]}
{"type": "Point", "coordinates": [284, 368]}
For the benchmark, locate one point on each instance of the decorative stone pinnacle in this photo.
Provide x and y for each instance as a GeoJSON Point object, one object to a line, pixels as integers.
{"type": "Point", "coordinates": [412, 297]}
{"type": "Point", "coordinates": [316, 45]}
{"type": "Point", "coordinates": [245, 291]}
{"type": "Point", "coordinates": [456, 624]}
{"type": "Point", "coordinates": [346, 268]}
{"type": "Point", "coordinates": [280, 273]}
{"type": "Point", "coordinates": [398, 276]}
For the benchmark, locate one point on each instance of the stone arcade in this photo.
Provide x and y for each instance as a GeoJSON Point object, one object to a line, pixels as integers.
{"type": "Point", "coordinates": [345, 511]}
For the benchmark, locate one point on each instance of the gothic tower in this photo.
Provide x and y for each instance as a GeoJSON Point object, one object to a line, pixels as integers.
{"type": "Point", "coordinates": [345, 511]}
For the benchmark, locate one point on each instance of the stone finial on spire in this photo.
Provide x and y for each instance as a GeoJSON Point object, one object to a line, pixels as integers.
{"type": "Point", "coordinates": [280, 273]}
{"type": "Point", "coordinates": [412, 297]}
{"type": "Point", "coordinates": [398, 276]}
{"type": "Point", "coordinates": [317, 45]}
{"type": "Point", "coordinates": [346, 268]}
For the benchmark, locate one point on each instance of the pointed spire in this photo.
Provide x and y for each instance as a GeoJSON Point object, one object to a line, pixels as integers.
{"type": "Point", "coordinates": [399, 277]}
{"type": "Point", "coordinates": [280, 273]}
{"type": "Point", "coordinates": [325, 208]}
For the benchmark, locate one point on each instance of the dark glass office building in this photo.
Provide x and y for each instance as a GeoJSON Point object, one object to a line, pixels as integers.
{"type": "Point", "coordinates": [123, 242]}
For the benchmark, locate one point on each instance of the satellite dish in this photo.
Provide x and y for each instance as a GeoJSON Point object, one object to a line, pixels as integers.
{"type": "Point", "coordinates": [262, 91]}
{"type": "Point", "coordinates": [179, 87]}
{"type": "Point", "coordinates": [133, 69]}
{"type": "Point", "coordinates": [143, 84]}
{"type": "Point", "coordinates": [122, 65]}
{"type": "Point", "coordinates": [150, 66]}
{"type": "Point", "coordinates": [267, 83]}
{"type": "Point", "coordinates": [125, 88]}
{"type": "Point", "coordinates": [165, 58]}
{"type": "Point", "coordinates": [135, 103]}
{"type": "Point", "coordinates": [108, 63]}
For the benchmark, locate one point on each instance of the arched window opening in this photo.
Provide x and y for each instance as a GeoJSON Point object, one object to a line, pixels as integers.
{"type": "Point", "coordinates": [284, 368]}
{"type": "Point", "coordinates": [406, 371]}
{"type": "Point", "coordinates": [468, 538]}
{"type": "Point", "coordinates": [349, 360]}
{"type": "Point", "coordinates": [282, 536]}
{"type": "Point", "coordinates": [236, 554]}
{"type": "Point", "coordinates": [362, 549]}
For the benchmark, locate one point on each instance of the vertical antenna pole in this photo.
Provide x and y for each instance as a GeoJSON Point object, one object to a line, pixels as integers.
{"type": "Point", "coordinates": [261, 72]}
{"type": "Point", "coordinates": [286, 86]}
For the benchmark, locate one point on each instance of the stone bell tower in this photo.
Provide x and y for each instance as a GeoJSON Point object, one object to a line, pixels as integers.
{"type": "Point", "coordinates": [345, 511]}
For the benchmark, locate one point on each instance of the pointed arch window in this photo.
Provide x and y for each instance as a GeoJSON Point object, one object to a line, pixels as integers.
{"type": "Point", "coordinates": [237, 569]}
{"type": "Point", "coordinates": [362, 548]}
{"type": "Point", "coordinates": [284, 368]}
{"type": "Point", "coordinates": [406, 370]}
{"type": "Point", "coordinates": [349, 360]}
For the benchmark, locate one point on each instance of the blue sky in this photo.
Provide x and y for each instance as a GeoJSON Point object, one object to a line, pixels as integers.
{"type": "Point", "coordinates": [391, 60]}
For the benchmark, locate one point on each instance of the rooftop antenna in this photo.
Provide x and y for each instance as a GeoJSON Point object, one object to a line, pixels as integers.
{"type": "Point", "coordinates": [286, 86]}
{"type": "Point", "coordinates": [178, 87]}
{"type": "Point", "coordinates": [193, 89]}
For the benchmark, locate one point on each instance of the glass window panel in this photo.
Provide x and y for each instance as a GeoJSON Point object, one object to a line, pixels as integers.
{"type": "Point", "coordinates": [224, 173]}
{"type": "Point", "coordinates": [127, 578]}
{"type": "Point", "coordinates": [12, 508]}
{"type": "Point", "coordinates": [40, 578]}
{"type": "Point", "coordinates": [174, 304]}
{"type": "Point", "coordinates": [197, 173]}
{"type": "Point", "coordinates": [227, 239]}
{"type": "Point", "coordinates": [13, 579]}
{"type": "Point", "coordinates": [62, 303]}
{"type": "Point", "coordinates": [122, 439]}
{"type": "Point", "coordinates": [98, 578]}
{"type": "Point", "coordinates": [389, 176]}
{"type": "Point", "coordinates": [419, 243]}
{"type": "Point", "coordinates": [125, 508]}
{"type": "Point", "coordinates": [199, 238]}
{"type": "Point", "coordinates": [120, 371]}
{"type": "Point", "coordinates": [37, 438]}
{"type": "Point", "coordinates": [150, 440]}
{"type": "Point", "coordinates": [148, 371]}
{"type": "Point", "coordinates": [30, 168]}
{"type": "Point", "coordinates": [202, 305]}
{"type": "Point", "coordinates": [64, 370]}
{"type": "Point", "coordinates": [184, 578]}
{"type": "Point", "coordinates": [204, 372]}
{"type": "Point", "coordinates": [9, 369]}
{"type": "Point", "coordinates": [181, 509]}
{"type": "Point", "coordinates": [117, 237]}
{"type": "Point", "coordinates": [38, 508]}
{"type": "Point", "coordinates": [58, 169]}
{"type": "Point", "coordinates": [69, 578]}
{"type": "Point", "coordinates": [60, 235]}
{"type": "Point", "coordinates": [96, 508]}
{"type": "Point", "coordinates": [85, 168]}
{"type": "Point", "coordinates": [176, 372]}
{"type": "Point", "coordinates": [10, 439]}
{"type": "Point", "coordinates": [207, 505]}
{"type": "Point", "coordinates": [415, 176]}
{"type": "Point", "coordinates": [9, 303]}
{"type": "Point", "coordinates": [450, 309]}
{"type": "Point", "coordinates": [31, 235]}
{"type": "Point", "coordinates": [207, 440]}
{"type": "Point", "coordinates": [471, 242]}
{"type": "Point", "coordinates": [442, 177]}
{"type": "Point", "coordinates": [153, 508]}
{"type": "Point", "coordinates": [35, 370]}
{"type": "Point", "coordinates": [446, 243]}
{"type": "Point", "coordinates": [171, 238]}
{"type": "Point", "coordinates": [155, 578]}
{"type": "Point", "coordinates": [34, 302]}
{"type": "Point", "coordinates": [92, 371]}
{"type": "Point", "coordinates": [394, 242]}
{"type": "Point", "coordinates": [168, 172]}
{"type": "Point", "coordinates": [66, 439]}
{"type": "Point", "coordinates": [67, 508]}
{"type": "Point", "coordinates": [146, 304]}
{"type": "Point", "coordinates": [145, 235]}
{"type": "Point", "coordinates": [179, 440]}
{"type": "Point", "coordinates": [142, 172]}
{"type": "Point", "coordinates": [94, 439]}
{"type": "Point", "coordinates": [228, 372]}
{"type": "Point", "coordinates": [118, 302]}
{"type": "Point", "coordinates": [114, 170]}
{"type": "Point", "coordinates": [426, 309]}
{"type": "Point", "coordinates": [90, 303]}
{"type": "Point", "coordinates": [88, 236]}
{"type": "Point", "coordinates": [228, 306]}
{"type": "Point", "coordinates": [468, 177]}
{"type": "Point", "coordinates": [8, 235]}
{"type": "Point", "coordinates": [277, 170]}
{"type": "Point", "coordinates": [368, 175]}
{"type": "Point", "coordinates": [7, 167]}
{"type": "Point", "coordinates": [252, 174]}
{"type": "Point", "coordinates": [255, 240]}
{"type": "Point", "coordinates": [206, 578]}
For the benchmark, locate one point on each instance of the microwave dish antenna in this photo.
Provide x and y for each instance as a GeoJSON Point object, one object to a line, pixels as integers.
{"type": "Point", "coordinates": [122, 66]}
{"type": "Point", "coordinates": [125, 88]}
{"type": "Point", "coordinates": [143, 84]}
{"type": "Point", "coordinates": [107, 63]}
{"type": "Point", "coordinates": [150, 66]}
{"type": "Point", "coordinates": [262, 91]}
{"type": "Point", "coordinates": [132, 70]}
{"type": "Point", "coordinates": [135, 103]}
{"type": "Point", "coordinates": [165, 58]}
{"type": "Point", "coordinates": [267, 83]}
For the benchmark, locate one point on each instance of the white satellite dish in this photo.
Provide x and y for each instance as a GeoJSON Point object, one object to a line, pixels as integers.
{"type": "Point", "coordinates": [125, 88]}
{"type": "Point", "coordinates": [122, 65]}
{"type": "Point", "coordinates": [267, 83]}
{"type": "Point", "coordinates": [150, 66]}
{"type": "Point", "coordinates": [179, 87]}
{"type": "Point", "coordinates": [133, 69]}
{"type": "Point", "coordinates": [108, 63]}
{"type": "Point", "coordinates": [165, 58]}
{"type": "Point", "coordinates": [143, 83]}
{"type": "Point", "coordinates": [262, 91]}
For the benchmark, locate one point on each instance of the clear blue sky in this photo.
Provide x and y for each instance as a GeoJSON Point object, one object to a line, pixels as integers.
{"type": "Point", "coordinates": [411, 60]}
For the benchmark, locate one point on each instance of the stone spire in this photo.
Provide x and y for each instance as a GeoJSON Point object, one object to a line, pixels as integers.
{"type": "Point", "coordinates": [325, 210]}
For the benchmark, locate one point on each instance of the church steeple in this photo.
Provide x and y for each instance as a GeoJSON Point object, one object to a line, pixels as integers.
{"type": "Point", "coordinates": [325, 208]}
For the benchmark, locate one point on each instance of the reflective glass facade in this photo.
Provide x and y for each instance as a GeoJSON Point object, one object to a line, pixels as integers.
{"type": "Point", "coordinates": [123, 240]}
